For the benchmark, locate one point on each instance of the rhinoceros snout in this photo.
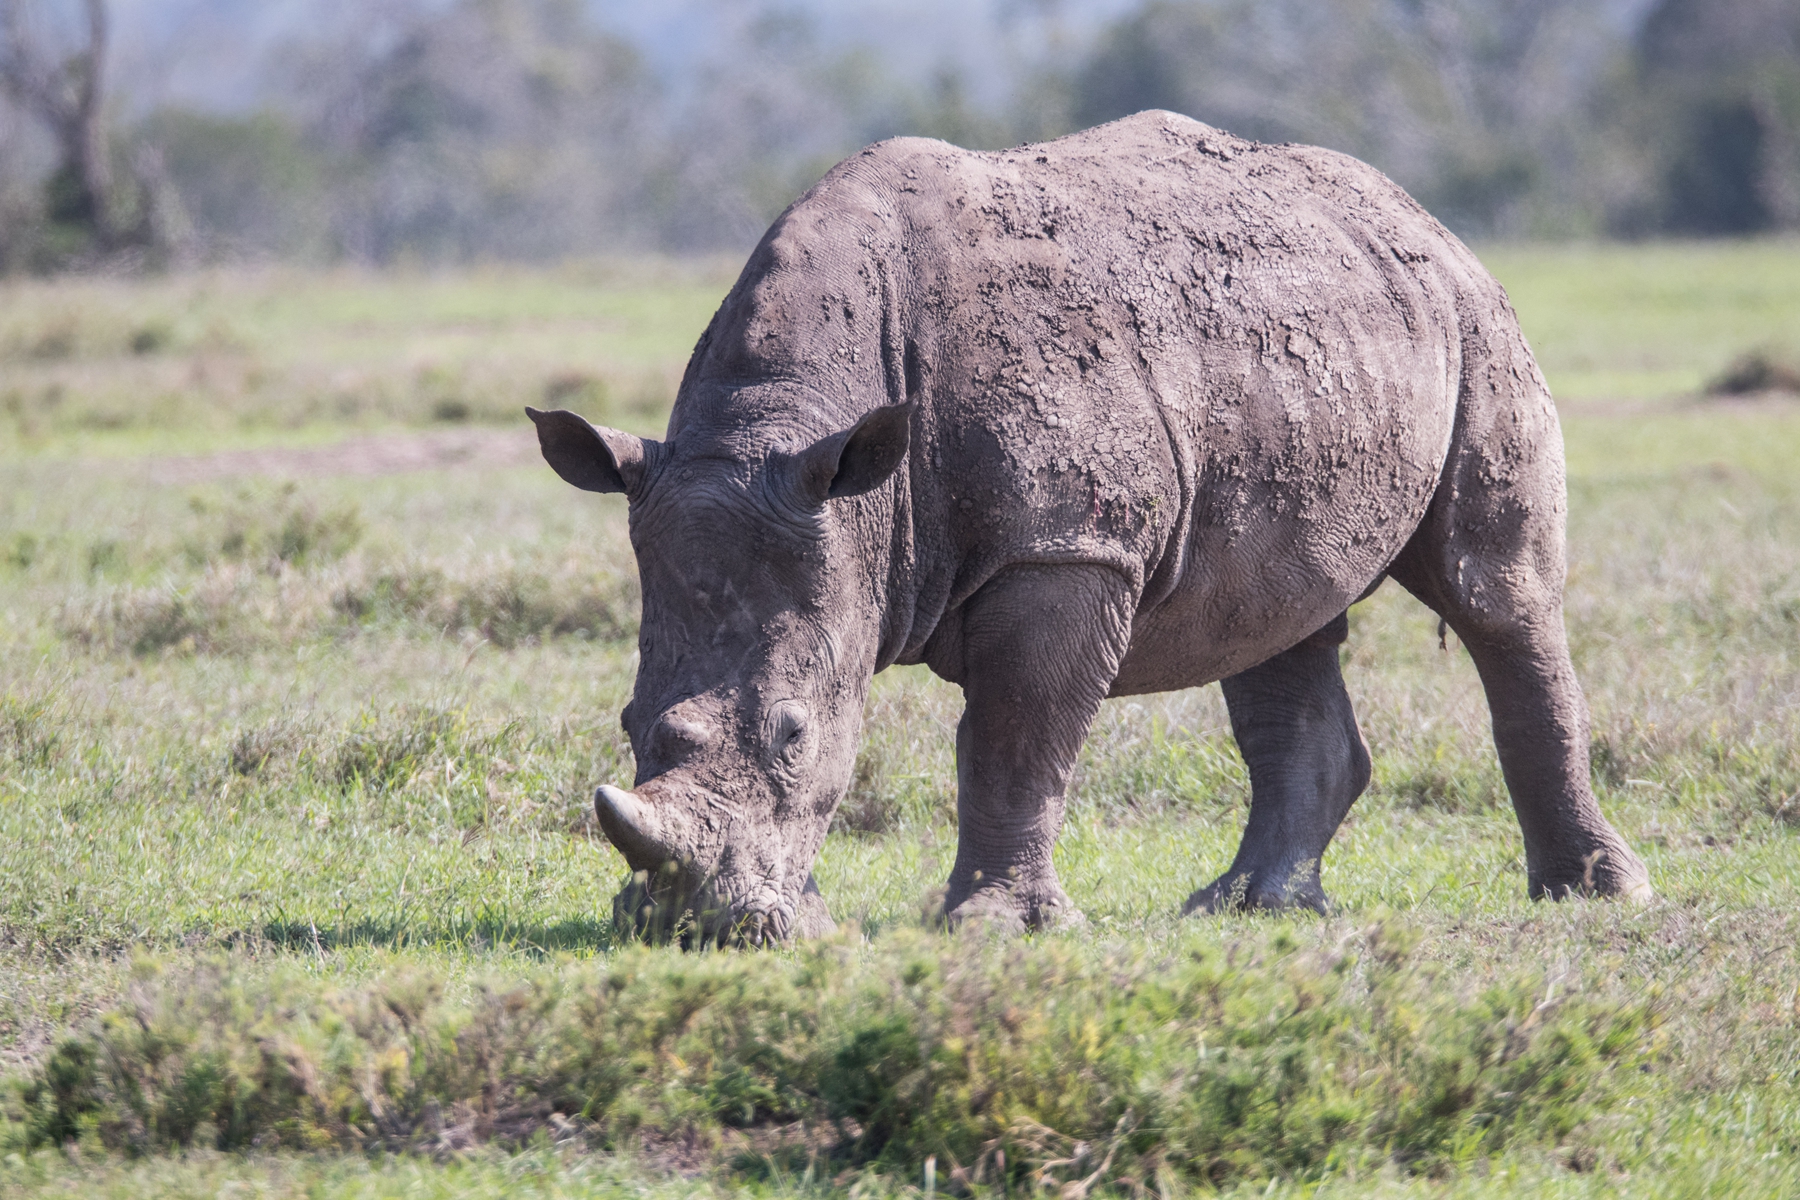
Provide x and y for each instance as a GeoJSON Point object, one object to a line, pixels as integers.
{"type": "Point", "coordinates": [634, 827]}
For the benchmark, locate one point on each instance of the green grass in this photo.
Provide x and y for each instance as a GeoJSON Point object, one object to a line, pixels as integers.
{"type": "Point", "coordinates": [1612, 322]}
{"type": "Point", "coordinates": [104, 367]}
{"type": "Point", "coordinates": [279, 763]}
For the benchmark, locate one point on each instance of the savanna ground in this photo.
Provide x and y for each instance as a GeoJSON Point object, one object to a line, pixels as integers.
{"type": "Point", "coordinates": [309, 670]}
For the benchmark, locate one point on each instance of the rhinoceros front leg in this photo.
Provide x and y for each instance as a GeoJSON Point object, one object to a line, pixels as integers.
{"type": "Point", "coordinates": [1041, 646]}
{"type": "Point", "coordinates": [1294, 726]}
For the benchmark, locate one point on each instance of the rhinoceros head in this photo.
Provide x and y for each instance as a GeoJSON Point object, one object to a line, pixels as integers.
{"type": "Point", "coordinates": [758, 639]}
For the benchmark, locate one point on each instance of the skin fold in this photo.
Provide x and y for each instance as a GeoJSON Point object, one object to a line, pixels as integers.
{"type": "Point", "coordinates": [1134, 410]}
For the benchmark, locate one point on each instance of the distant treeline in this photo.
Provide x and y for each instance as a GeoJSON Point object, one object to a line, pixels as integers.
{"type": "Point", "coordinates": [525, 130]}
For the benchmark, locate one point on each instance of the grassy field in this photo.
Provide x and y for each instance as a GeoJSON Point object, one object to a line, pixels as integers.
{"type": "Point", "coordinates": [301, 895]}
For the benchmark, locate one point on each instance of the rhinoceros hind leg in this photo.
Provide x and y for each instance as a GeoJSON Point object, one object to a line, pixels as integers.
{"type": "Point", "coordinates": [1041, 646]}
{"type": "Point", "coordinates": [1489, 559]}
{"type": "Point", "coordinates": [1540, 724]}
{"type": "Point", "coordinates": [1294, 725]}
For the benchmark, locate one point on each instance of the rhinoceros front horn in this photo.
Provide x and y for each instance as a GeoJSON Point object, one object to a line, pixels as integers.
{"type": "Point", "coordinates": [633, 827]}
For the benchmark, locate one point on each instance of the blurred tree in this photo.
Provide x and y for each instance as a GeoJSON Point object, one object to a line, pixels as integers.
{"type": "Point", "coordinates": [1719, 114]}
{"type": "Point", "coordinates": [1479, 107]}
{"type": "Point", "coordinates": [766, 118]}
{"type": "Point", "coordinates": [88, 210]}
{"type": "Point", "coordinates": [452, 130]}
{"type": "Point", "coordinates": [504, 128]}
{"type": "Point", "coordinates": [778, 105]}
{"type": "Point", "coordinates": [252, 186]}
{"type": "Point", "coordinates": [944, 108]}
{"type": "Point", "coordinates": [65, 92]}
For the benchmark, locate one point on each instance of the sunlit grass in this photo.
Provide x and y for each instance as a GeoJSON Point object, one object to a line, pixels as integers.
{"type": "Point", "coordinates": [106, 367]}
{"type": "Point", "coordinates": [346, 729]}
{"type": "Point", "coordinates": [1648, 320]}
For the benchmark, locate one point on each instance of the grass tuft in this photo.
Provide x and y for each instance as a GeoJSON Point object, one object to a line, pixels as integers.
{"type": "Point", "coordinates": [1761, 370]}
{"type": "Point", "coordinates": [507, 608]}
{"type": "Point", "coordinates": [254, 750]}
{"type": "Point", "coordinates": [385, 752]}
{"type": "Point", "coordinates": [31, 731]}
{"type": "Point", "coordinates": [289, 531]}
{"type": "Point", "coordinates": [206, 617]}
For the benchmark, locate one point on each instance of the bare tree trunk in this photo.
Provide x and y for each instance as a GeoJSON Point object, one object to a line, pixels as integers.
{"type": "Point", "coordinates": [68, 96]}
{"type": "Point", "coordinates": [85, 141]}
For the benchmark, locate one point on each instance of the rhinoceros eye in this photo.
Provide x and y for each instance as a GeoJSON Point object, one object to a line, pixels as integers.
{"type": "Point", "coordinates": [787, 731]}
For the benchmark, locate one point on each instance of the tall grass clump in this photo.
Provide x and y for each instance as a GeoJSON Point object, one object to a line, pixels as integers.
{"type": "Point", "coordinates": [507, 607]}
{"type": "Point", "coordinates": [904, 769]}
{"type": "Point", "coordinates": [234, 608]}
{"type": "Point", "coordinates": [395, 764]}
{"type": "Point", "coordinates": [283, 528]}
{"type": "Point", "coordinates": [226, 610]}
{"type": "Point", "coordinates": [1761, 370]}
{"type": "Point", "coordinates": [1049, 1064]}
{"type": "Point", "coordinates": [31, 731]}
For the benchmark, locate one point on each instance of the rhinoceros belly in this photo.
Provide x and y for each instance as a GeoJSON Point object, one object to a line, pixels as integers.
{"type": "Point", "coordinates": [1301, 497]}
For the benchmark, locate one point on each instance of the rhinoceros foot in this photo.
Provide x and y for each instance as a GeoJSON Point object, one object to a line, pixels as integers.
{"type": "Point", "coordinates": [1013, 910]}
{"type": "Point", "coordinates": [1610, 870]}
{"type": "Point", "coordinates": [1261, 891]}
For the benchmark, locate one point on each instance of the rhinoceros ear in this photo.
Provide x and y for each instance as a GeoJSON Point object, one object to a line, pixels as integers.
{"type": "Point", "coordinates": [858, 459]}
{"type": "Point", "coordinates": [598, 460]}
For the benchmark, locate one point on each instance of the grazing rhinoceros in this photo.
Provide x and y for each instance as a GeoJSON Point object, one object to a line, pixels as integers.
{"type": "Point", "coordinates": [1134, 410]}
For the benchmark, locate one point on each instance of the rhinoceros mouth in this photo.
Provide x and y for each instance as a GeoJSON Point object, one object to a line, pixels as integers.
{"type": "Point", "coordinates": [758, 928]}
{"type": "Point", "coordinates": [662, 907]}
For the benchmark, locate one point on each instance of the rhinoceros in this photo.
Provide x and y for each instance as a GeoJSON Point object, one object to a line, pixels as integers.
{"type": "Point", "coordinates": [1137, 409]}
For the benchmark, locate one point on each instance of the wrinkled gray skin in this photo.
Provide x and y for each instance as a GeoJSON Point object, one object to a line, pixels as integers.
{"type": "Point", "coordinates": [1134, 410]}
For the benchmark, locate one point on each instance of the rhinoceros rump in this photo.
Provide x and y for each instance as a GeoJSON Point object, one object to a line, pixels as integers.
{"type": "Point", "coordinates": [1134, 410]}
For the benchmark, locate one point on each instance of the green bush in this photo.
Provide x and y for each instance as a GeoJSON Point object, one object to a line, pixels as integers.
{"type": "Point", "coordinates": [1038, 1063]}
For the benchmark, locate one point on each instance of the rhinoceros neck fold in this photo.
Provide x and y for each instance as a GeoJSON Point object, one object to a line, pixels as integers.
{"type": "Point", "coordinates": [895, 576]}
